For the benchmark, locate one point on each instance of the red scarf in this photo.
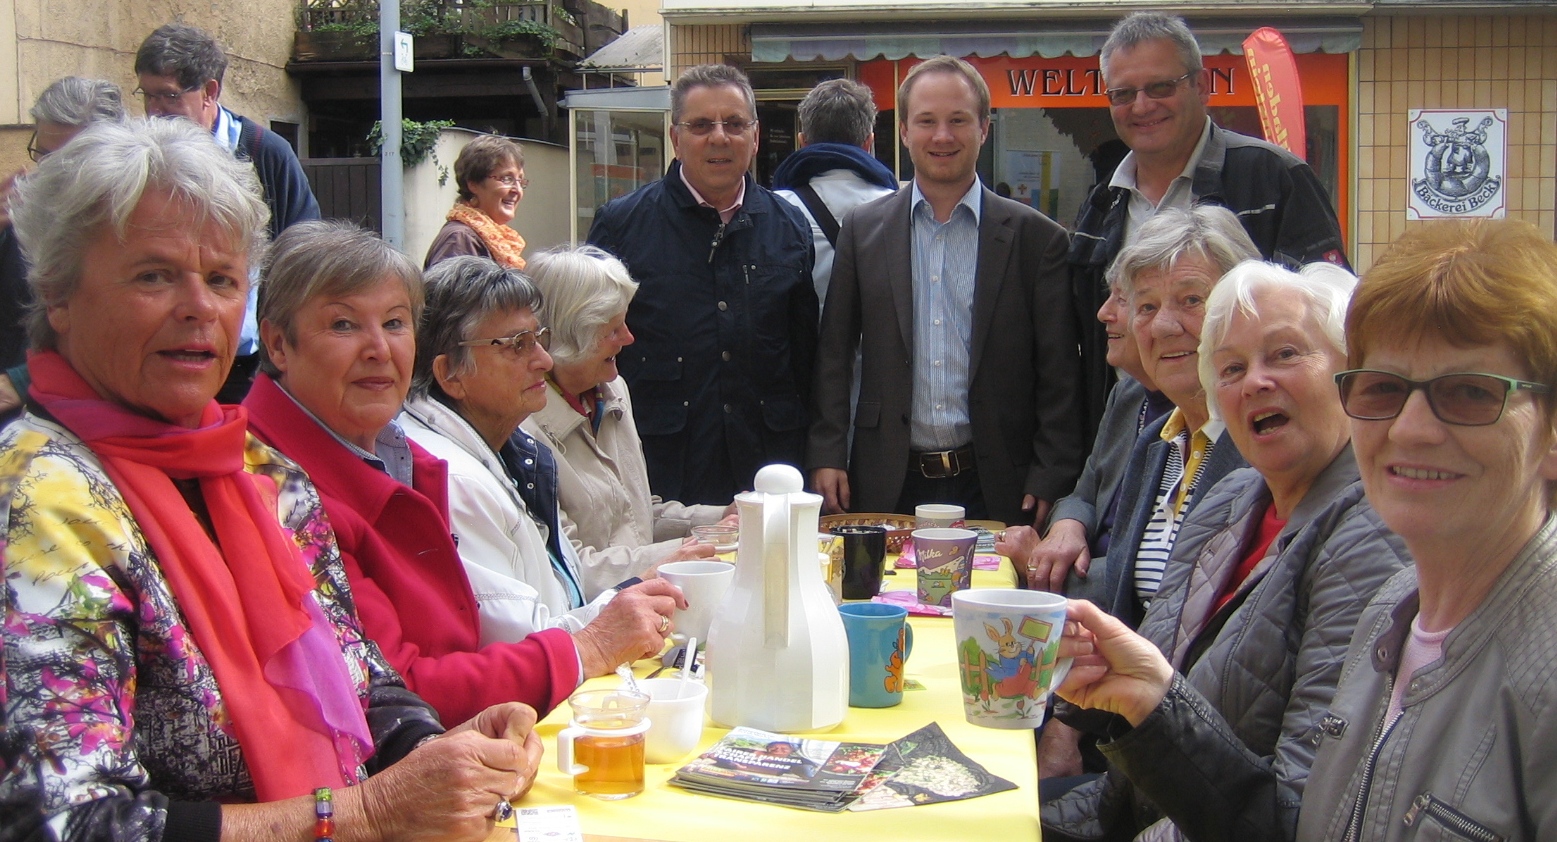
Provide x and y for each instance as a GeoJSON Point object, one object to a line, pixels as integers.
{"type": "Point", "coordinates": [283, 680]}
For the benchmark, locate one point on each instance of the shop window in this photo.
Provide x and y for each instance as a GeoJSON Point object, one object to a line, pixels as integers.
{"type": "Point", "coordinates": [617, 152]}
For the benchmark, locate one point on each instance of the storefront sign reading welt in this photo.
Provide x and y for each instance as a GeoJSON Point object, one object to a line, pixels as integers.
{"type": "Point", "coordinates": [1085, 81]}
{"type": "Point", "coordinates": [1071, 82]}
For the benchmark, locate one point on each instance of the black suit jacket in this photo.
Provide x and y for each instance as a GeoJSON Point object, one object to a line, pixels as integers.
{"type": "Point", "coordinates": [1024, 366]}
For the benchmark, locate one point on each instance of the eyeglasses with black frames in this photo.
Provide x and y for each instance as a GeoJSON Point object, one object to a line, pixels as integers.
{"type": "Point", "coordinates": [168, 98]}
{"type": "Point", "coordinates": [523, 343]}
{"type": "Point", "coordinates": [704, 128]}
{"type": "Point", "coordinates": [34, 152]}
{"type": "Point", "coordinates": [1466, 399]}
{"type": "Point", "coordinates": [1155, 90]}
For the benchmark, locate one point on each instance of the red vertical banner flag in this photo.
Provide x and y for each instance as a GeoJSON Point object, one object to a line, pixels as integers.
{"type": "Point", "coordinates": [1277, 91]}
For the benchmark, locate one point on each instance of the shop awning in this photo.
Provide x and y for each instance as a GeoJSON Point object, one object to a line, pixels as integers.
{"type": "Point", "coordinates": [619, 99]}
{"type": "Point", "coordinates": [638, 50]}
{"type": "Point", "coordinates": [834, 41]}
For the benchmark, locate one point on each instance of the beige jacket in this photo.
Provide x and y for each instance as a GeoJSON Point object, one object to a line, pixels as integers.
{"type": "Point", "coordinates": [603, 488]}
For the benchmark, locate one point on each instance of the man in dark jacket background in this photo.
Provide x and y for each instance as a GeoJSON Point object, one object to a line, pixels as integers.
{"type": "Point", "coordinates": [725, 315]}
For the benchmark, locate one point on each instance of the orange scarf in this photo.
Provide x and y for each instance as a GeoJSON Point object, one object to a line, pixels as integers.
{"type": "Point", "coordinates": [505, 243]}
{"type": "Point", "coordinates": [292, 703]}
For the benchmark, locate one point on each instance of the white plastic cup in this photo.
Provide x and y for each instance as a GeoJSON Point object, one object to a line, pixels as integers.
{"type": "Point", "coordinates": [676, 723]}
{"type": "Point", "coordinates": [703, 583]}
{"type": "Point", "coordinates": [938, 515]}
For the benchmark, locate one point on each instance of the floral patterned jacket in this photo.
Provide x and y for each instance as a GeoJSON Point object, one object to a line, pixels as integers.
{"type": "Point", "coordinates": [114, 727]}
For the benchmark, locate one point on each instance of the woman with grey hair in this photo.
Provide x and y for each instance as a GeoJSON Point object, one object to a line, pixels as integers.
{"type": "Point", "coordinates": [1267, 580]}
{"type": "Point", "coordinates": [468, 396]}
{"type": "Point", "coordinates": [63, 109]}
{"type": "Point", "coordinates": [1165, 276]}
{"type": "Point", "coordinates": [338, 317]}
{"type": "Point", "coordinates": [588, 421]}
{"type": "Point", "coordinates": [181, 652]}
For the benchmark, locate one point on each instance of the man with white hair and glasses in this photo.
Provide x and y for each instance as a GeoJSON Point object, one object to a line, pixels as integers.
{"type": "Point", "coordinates": [63, 109]}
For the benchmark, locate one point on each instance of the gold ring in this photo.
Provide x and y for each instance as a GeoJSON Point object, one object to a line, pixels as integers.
{"type": "Point", "coordinates": [664, 624]}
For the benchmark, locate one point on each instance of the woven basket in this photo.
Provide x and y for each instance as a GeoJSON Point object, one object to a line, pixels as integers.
{"type": "Point", "coordinates": [899, 527]}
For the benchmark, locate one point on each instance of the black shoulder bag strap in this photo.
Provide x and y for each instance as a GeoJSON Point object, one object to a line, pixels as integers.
{"type": "Point", "coordinates": [819, 212]}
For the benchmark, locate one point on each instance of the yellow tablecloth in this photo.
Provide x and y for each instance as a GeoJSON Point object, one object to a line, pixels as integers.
{"type": "Point", "coordinates": [664, 812]}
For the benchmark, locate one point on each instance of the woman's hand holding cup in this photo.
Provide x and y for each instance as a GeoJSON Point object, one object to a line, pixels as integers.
{"type": "Point", "coordinates": [1115, 670]}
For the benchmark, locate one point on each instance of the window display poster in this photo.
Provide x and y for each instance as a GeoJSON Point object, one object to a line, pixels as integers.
{"type": "Point", "coordinates": [1459, 163]}
{"type": "Point", "coordinates": [1032, 178]}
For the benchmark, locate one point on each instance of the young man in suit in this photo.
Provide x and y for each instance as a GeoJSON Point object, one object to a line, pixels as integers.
{"type": "Point", "coordinates": [959, 303]}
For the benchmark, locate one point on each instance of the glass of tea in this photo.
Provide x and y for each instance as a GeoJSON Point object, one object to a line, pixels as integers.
{"type": "Point", "coordinates": [602, 748]}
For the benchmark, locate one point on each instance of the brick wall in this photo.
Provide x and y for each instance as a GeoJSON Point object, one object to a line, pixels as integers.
{"type": "Point", "coordinates": [1506, 61]}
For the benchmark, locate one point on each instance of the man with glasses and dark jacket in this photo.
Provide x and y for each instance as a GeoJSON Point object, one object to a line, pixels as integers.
{"type": "Point", "coordinates": [1158, 90]}
{"type": "Point", "coordinates": [725, 316]}
{"type": "Point", "coordinates": [180, 70]}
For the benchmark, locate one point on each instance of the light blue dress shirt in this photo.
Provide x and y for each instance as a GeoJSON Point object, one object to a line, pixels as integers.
{"type": "Point", "coordinates": [945, 261]}
{"type": "Point", "coordinates": [226, 131]}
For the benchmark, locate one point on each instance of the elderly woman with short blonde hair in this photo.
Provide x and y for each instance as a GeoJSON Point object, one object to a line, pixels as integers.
{"type": "Point", "coordinates": [588, 422]}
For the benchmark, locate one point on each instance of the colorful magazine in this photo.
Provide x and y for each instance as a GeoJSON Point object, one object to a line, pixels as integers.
{"type": "Point", "coordinates": [775, 768]}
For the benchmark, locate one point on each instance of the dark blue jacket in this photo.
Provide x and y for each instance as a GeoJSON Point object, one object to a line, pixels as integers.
{"type": "Point", "coordinates": [726, 325]}
{"type": "Point", "coordinates": [533, 469]}
{"type": "Point", "coordinates": [287, 192]}
{"type": "Point", "coordinates": [1138, 499]}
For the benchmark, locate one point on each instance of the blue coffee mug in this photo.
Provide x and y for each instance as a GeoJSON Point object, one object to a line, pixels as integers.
{"type": "Point", "coordinates": [880, 640]}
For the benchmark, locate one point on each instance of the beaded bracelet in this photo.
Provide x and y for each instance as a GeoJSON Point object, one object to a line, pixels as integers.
{"type": "Point", "coordinates": [324, 811]}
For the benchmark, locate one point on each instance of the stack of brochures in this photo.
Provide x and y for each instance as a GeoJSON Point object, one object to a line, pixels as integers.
{"type": "Point", "coordinates": [831, 776]}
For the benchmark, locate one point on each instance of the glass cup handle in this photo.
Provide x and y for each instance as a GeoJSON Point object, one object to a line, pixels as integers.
{"type": "Point", "coordinates": [565, 763]}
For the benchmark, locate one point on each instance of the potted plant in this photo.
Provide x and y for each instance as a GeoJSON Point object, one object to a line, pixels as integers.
{"type": "Point", "coordinates": [428, 22]}
{"type": "Point", "coordinates": [335, 31]}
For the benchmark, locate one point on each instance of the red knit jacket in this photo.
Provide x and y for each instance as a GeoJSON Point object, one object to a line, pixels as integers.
{"type": "Point", "coordinates": [406, 576]}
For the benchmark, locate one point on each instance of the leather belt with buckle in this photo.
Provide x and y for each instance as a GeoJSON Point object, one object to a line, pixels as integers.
{"type": "Point", "coordinates": [940, 464]}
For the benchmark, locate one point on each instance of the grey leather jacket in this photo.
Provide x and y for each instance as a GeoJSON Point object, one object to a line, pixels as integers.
{"type": "Point", "coordinates": [1472, 754]}
{"type": "Point", "coordinates": [1226, 755]}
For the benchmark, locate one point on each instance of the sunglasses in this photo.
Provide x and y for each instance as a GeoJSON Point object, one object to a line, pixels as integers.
{"type": "Point", "coordinates": [1156, 90]}
{"type": "Point", "coordinates": [522, 342]}
{"type": "Point", "coordinates": [1467, 400]}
